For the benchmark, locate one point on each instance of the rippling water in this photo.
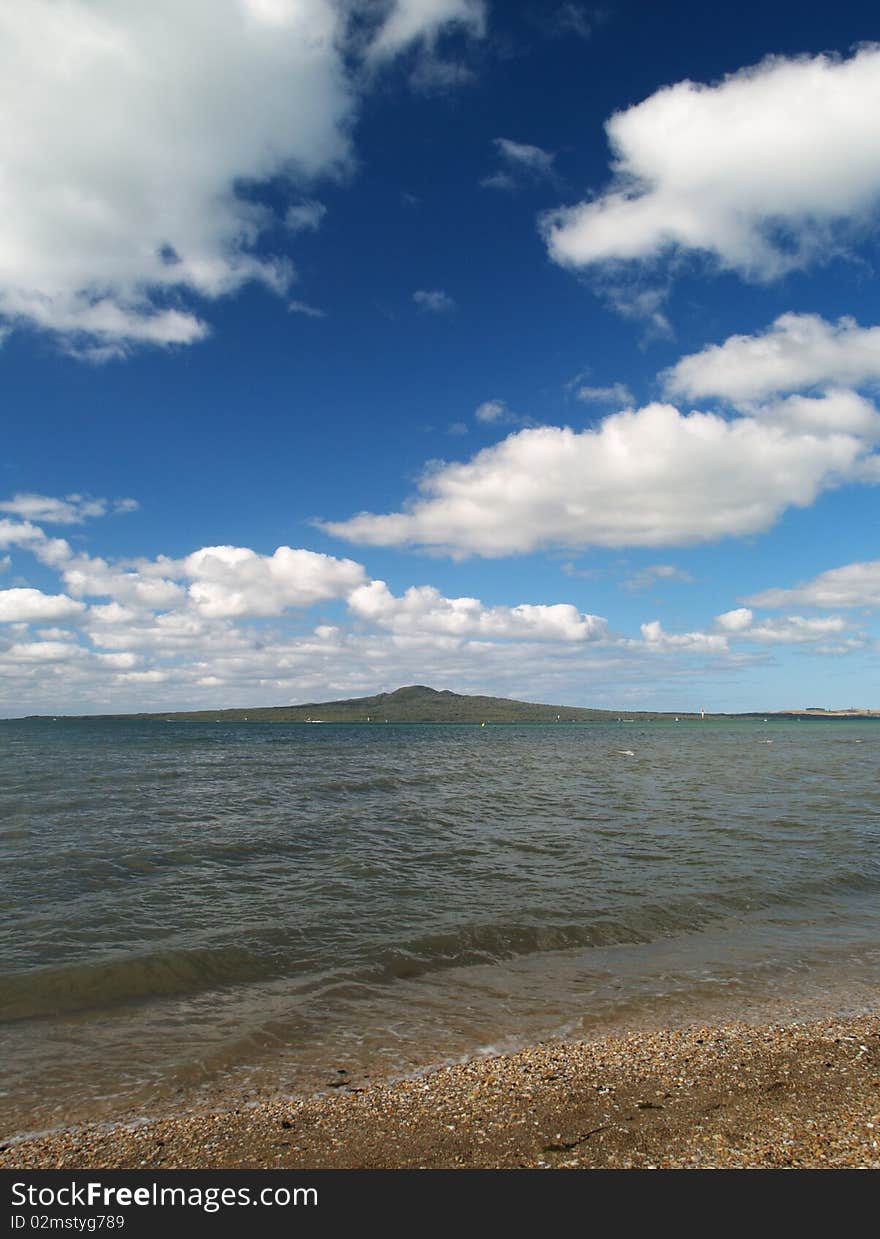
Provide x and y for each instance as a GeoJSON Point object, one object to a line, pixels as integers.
{"type": "Point", "coordinates": [183, 902]}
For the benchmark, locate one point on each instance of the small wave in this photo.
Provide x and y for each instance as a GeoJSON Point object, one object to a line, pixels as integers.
{"type": "Point", "coordinates": [109, 983]}
{"type": "Point", "coordinates": [103, 985]}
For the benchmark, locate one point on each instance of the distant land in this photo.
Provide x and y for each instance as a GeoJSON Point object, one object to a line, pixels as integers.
{"type": "Point", "coordinates": [419, 704]}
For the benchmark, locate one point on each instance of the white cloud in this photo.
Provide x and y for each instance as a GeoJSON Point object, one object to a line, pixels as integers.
{"type": "Point", "coordinates": [656, 638]}
{"type": "Point", "coordinates": [43, 651]}
{"type": "Point", "coordinates": [646, 477]}
{"type": "Point", "coordinates": [741, 625]}
{"type": "Point", "coordinates": [616, 393]}
{"type": "Point", "coordinates": [216, 581]}
{"type": "Point", "coordinates": [305, 216]}
{"type": "Point", "coordinates": [409, 21]}
{"type": "Point", "coordinates": [236, 581]}
{"type": "Point", "coordinates": [798, 351]}
{"type": "Point", "coordinates": [140, 587]}
{"type": "Point", "coordinates": [756, 171]}
{"type": "Point", "coordinates": [852, 585]}
{"type": "Point", "coordinates": [490, 411]}
{"type": "Point", "coordinates": [148, 119]}
{"type": "Point", "coordinates": [155, 123]}
{"type": "Point", "coordinates": [790, 630]}
{"type": "Point", "coordinates": [303, 307]}
{"type": "Point", "coordinates": [522, 163]}
{"type": "Point", "coordinates": [119, 662]}
{"type": "Point", "coordinates": [735, 621]}
{"type": "Point", "coordinates": [496, 413]}
{"type": "Point", "coordinates": [71, 510]}
{"type": "Point", "coordinates": [437, 301]}
{"type": "Point", "coordinates": [31, 538]}
{"type": "Point", "coordinates": [795, 629]}
{"type": "Point", "coordinates": [522, 154]}
{"type": "Point", "coordinates": [153, 676]}
{"type": "Point", "coordinates": [423, 610]}
{"type": "Point", "coordinates": [31, 605]}
{"type": "Point", "coordinates": [177, 633]}
{"type": "Point", "coordinates": [837, 410]}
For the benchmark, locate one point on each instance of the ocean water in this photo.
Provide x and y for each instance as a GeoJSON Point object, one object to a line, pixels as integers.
{"type": "Point", "coordinates": [191, 906]}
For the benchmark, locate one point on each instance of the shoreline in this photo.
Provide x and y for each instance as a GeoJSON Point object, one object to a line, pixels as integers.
{"type": "Point", "coordinates": [800, 1094]}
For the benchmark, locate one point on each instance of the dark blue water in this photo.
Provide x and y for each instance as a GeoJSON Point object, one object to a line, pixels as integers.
{"type": "Point", "coordinates": [183, 901]}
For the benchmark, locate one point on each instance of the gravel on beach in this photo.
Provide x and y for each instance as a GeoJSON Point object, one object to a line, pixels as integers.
{"type": "Point", "coordinates": [783, 1095]}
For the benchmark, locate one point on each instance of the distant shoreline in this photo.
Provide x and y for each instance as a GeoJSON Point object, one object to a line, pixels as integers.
{"type": "Point", "coordinates": [253, 716]}
{"type": "Point", "coordinates": [417, 703]}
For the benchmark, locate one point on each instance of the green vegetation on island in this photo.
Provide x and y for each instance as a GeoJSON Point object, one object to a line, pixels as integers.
{"type": "Point", "coordinates": [419, 704]}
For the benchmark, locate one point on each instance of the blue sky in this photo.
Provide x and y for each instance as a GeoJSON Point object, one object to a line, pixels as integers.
{"type": "Point", "coordinates": [528, 349]}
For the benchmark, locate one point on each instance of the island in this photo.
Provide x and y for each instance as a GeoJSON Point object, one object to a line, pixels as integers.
{"type": "Point", "coordinates": [417, 703]}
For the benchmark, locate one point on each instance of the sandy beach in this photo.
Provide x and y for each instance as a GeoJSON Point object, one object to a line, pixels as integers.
{"type": "Point", "coordinates": [798, 1095]}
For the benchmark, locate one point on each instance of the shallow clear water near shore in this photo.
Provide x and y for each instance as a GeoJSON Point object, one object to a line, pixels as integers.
{"type": "Point", "coordinates": [189, 901]}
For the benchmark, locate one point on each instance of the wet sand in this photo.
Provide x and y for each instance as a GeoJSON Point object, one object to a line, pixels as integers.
{"type": "Point", "coordinates": [804, 1094]}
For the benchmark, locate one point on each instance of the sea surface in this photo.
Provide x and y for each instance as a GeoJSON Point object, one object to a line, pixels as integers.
{"type": "Point", "coordinates": [197, 906]}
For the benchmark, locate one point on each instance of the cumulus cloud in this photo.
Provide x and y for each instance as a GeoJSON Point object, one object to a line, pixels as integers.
{"type": "Point", "coordinates": [852, 585]}
{"type": "Point", "coordinates": [216, 581]}
{"type": "Point", "coordinates": [29, 605]}
{"type": "Point", "coordinates": [655, 637]}
{"type": "Point", "coordinates": [156, 124]}
{"type": "Point", "coordinates": [31, 538]}
{"type": "Point", "coordinates": [795, 629]}
{"type": "Point", "coordinates": [43, 651]}
{"type": "Point", "coordinates": [236, 581]}
{"type": "Point", "coordinates": [423, 609]}
{"type": "Point", "coordinates": [791, 630]}
{"type": "Point", "coordinates": [742, 625]}
{"type": "Point", "coordinates": [150, 119]}
{"type": "Point", "coordinates": [168, 633]}
{"type": "Point", "coordinates": [436, 301]}
{"type": "Point", "coordinates": [798, 351]}
{"type": "Point", "coordinates": [141, 587]}
{"type": "Point", "coordinates": [735, 621]}
{"type": "Point", "coordinates": [646, 477]}
{"type": "Point", "coordinates": [836, 409]}
{"type": "Point", "coordinates": [757, 171]}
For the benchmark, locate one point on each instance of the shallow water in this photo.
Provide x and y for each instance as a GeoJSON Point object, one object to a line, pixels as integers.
{"type": "Point", "coordinates": [185, 902]}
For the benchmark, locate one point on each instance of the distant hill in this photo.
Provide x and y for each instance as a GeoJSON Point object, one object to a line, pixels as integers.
{"type": "Point", "coordinates": [419, 704]}
{"type": "Point", "coordinates": [414, 704]}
